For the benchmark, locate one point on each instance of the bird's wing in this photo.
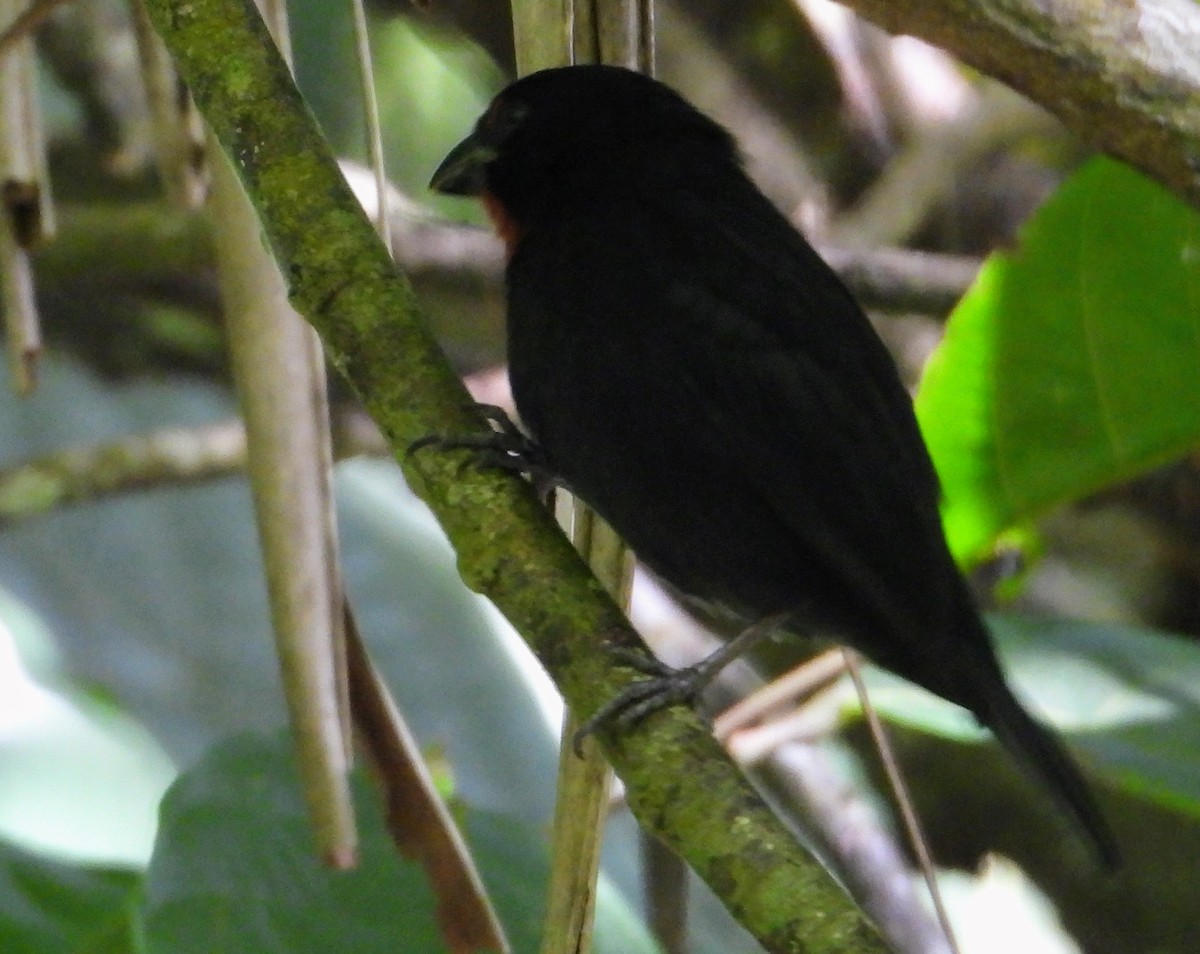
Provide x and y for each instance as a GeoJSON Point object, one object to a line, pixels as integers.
{"type": "Point", "coordinates": [784, 372]}
{"type": "Point", "coordinates": [719, 396]}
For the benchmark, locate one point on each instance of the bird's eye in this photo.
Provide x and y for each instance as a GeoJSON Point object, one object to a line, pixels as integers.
{"type": "Point", "coordinates": [501, 119]}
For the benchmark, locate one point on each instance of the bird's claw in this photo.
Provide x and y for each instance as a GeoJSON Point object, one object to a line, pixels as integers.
{"type": "Point", "coordinates": [504, 447]}
{"type": "Point", "coordinates": [662, 688]}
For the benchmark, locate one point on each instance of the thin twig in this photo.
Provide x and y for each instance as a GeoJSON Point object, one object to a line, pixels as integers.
{"type": "Point", "coordinates": [370, 103]}
{"type": "Point", "coordinates": [279, 373]}
{"type": "Point", "coordinates": [899, 202]}
{"type": "Point", "coordinates": [417, 819]}
{"type": "Point", "coordinates": [140, 241]}
{"type": "Point", "coordinates": [584, 783]}
{"type": "Point", "coordinates": [174, 457]}
{"type": "Point", "coordinates": [792, 686]}
{"type": "Point", "coordinates": [28, 216]}
{"type": "Point", "coordinates": [912, 821]}
{"type": "Point", "coordinates": [19, 304]}
{"type": "Point", "coordinates": [178, 134]}
{"type": "Point", "coordinates": [664, 880]}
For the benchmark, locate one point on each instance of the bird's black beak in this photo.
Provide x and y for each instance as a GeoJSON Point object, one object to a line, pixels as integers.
{"type": "Point", "coordinates": [462, 171]}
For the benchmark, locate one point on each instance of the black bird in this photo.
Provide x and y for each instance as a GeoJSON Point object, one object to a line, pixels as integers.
{"type": "Point", "coordinates": [690, 367]}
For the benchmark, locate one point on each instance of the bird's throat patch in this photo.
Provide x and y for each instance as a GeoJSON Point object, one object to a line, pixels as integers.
{"type": "Point", "coordinates": [504, 224]}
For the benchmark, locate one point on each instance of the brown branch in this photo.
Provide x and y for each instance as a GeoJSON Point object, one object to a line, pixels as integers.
{"type": "Point", "coordinates": [165, 458]}
{"type": "Point", "coordinates": [894, 279]}
{"type": "Point", "coordinates": [1123, 76]}
{"type": "Point", "coordinates": [416, 817]}
{"type": "Point", "coordinates": [138, 243]}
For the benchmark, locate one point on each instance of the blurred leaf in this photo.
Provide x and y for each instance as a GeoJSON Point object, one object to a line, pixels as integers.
{"type": "Point", "coordinates": [1000, 909]}
{"type": "Point", "coordinates": [1129, 697]}
{"type": "Point", "coordinates": [177, 628]}
{"type": "Point", "coordinates": [48, 907]}
{"type": "Point", "coordinates": [157, 597]}
{"type": "Point", "coordinates": [322, 37]}
{"type": "Point", "coordinates": [234, 871]}
{"type": "Point", "coordinates": [235, 868]}
{"type": "Point", "coordinates": [77, 776]}
{"type": "Point", "coordinates": [1073, 362]}
{"type": "Point", "coordinates": [432, 84]}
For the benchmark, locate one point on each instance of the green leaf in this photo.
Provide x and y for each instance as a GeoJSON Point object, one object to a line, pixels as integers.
{"type": "Point", "coordinates": [234, 870]}
{"type": "Point", "coordinates": [1073, 362]}
{"type": "Point", "coordinates": [47, 907]}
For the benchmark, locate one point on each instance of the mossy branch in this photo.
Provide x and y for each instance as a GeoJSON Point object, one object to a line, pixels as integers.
{"type": "Point", "coordinates": [680, 784]}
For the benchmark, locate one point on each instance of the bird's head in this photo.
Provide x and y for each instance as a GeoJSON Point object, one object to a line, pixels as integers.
{"type": "Point", "coordinates": [572, 135]}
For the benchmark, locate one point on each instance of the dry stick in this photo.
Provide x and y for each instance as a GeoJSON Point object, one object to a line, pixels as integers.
{"type": "Point", "coordinates": [178, 136]}
{"type": "Point", "coordinates": [370, 103]}
{"type": "Point", "coordinates": [24, 202]}
{"type": "Point", "coordinates": [417, 819]}
{"type": "Point", "coordinates": [580, 809]}
{"type": "Point", "coordinates": [621, 32]}
{"type": "Point", "coordinates": [795, 685]}
{"type": "Point", "coordinates": [17, 300]}
{"type": "Point", "coordinates": [662, 872]}
{"type": "Point", "coordinates": [584, 778]}
{"type": "Point", "coordinates": [273, 360]}
{"type": "Point", "coordinates": [912, 822]}
{"type": "Point", "coordinates": [596, 31]}
{"type": "Point", "coordinates": [279, 373]}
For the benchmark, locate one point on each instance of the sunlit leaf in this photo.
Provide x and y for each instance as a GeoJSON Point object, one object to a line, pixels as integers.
{"type": "Point", "coordinates": [1073, 362]}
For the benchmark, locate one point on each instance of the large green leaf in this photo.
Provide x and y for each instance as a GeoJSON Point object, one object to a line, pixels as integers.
{"type": "Point", "coordinates": [48, 907]}
{"type": "Point", "coordinates": [1073, 362]}
{"type": "Point", "coordinates": [235, 870]}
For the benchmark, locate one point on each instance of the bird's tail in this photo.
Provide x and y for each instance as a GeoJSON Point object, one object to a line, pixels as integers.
{"type": "Point", "coordinates": [1043, 755]}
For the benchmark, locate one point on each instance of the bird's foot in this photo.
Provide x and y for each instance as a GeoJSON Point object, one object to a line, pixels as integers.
{"type": "Point", "coordinates": [504, 447]}
{"type": "Point", "coordinates": [665, 686]}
